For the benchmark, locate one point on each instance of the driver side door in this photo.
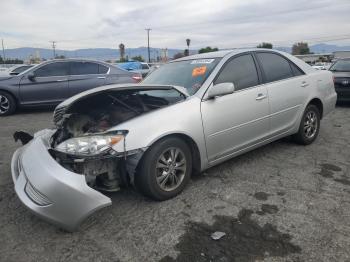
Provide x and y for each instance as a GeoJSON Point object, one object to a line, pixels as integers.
{"type": "Point", "coordinates": [237, 121]}
{"type": "Point", "coordinates": [49, 85]}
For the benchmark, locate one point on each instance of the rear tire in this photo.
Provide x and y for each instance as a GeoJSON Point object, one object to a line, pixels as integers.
{"type": "Point", "coordinates": [165, 169]}
{"type": "Point", "coordinates": [309, 126]}
{"type": "Point", "coordinates": [7, 104]}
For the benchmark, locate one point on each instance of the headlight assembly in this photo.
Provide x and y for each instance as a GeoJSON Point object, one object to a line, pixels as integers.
{"type": "Point", "coordinates": [89, 145]}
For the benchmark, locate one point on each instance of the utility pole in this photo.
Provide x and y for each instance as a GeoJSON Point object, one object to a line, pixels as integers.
{"type": "Point", "coordinates": [149, 53]}
{"type": "Point", "coordinates": [3, 51]}
{"type": "Point", "coordinates": [54, 48]}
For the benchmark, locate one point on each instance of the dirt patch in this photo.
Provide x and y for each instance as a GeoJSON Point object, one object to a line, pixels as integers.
{"type": "Point", "coordinates": [261, 196]}
{"type": "Point", "coordinates": [331, 167]}
{"type": "Point", "coordinates": [327, 170]}
{"type": "Point", "coordinates": [245, 240]}
{"type": "Point", "coordinates": [267, 209]}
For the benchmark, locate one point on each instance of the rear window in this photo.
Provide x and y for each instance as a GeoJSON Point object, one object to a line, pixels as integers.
{"type": "Point", "coordinates": [341, 66]}
{"type": "Point", "coordinates": [83, 68]}
{"type": "Point", "coordinates": [189, 73]}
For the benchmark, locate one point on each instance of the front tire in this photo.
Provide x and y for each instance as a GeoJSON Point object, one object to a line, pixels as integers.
{"type": "Point", "coordinates": [7, 104]}
{"type": "Point", "coordinates": [165, 169]}
{"type": "Point", "coordinates": [309, 126]}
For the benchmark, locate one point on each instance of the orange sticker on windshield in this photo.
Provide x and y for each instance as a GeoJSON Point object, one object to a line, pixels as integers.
{"type": "Point", "coordinates": [198, 71]}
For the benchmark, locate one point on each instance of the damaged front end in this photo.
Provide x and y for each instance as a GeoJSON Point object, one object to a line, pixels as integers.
{"type": "Point", "coordinates": [84, 143]}
{"type": "Point", "coordinates": [60, 174]}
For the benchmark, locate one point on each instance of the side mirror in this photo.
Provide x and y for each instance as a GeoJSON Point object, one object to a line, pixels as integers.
{"type": "Point", "coordinates": [31, 77]}
{"type": "Point", "coordinates": [221, 90]}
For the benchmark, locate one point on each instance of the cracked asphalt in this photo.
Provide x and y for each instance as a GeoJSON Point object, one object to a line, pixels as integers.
{"type": "Point", "coordinates": [282, 202]}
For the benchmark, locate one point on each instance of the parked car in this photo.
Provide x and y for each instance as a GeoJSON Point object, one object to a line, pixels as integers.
{"type": "Point", "coordinates": [135, 66]}
{"type": "Point", "coordinates": [54, 81]}
{"type": "Point", "coordinates": [16, 70]}
{"type": "Point", "coordinates": [341, 74]}
{"type": "Point", "coordinates": [321, 66]}
{"type": "Point", "coordinates": [190, 114]}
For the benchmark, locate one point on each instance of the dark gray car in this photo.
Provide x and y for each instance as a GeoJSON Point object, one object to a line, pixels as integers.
{"type": "Point", "coordinates": [54, 81]}
{"type": "Point", "coordinates": [341, 76]}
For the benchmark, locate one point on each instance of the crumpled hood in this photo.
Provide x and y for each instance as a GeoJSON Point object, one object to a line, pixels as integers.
{"type": "Point", "coordinates": [84, 94]}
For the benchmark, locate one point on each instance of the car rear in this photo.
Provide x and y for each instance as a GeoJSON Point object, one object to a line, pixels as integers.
{"type": "Point", "coordinates": [341, 78]}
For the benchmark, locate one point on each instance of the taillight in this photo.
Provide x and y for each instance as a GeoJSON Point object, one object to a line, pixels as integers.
{"type": "Point", "coordinates": [137, 78]}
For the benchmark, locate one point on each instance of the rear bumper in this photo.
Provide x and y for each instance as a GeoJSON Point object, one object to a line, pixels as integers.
{"type": "Point", "coordinates": [343, 93]}
{"type": "Point", "coordinates": [51, 191]}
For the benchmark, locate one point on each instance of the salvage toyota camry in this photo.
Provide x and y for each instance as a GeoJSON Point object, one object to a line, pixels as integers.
{"type": "Point", "coordinates": [188, 115]}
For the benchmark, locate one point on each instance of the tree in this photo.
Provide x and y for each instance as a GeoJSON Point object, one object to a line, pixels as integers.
{"type": "Point", "coordinates": [178, 55]}
{"type": "Point", "coordinates": [207, 50]}
{"type": "Point", "coordinates": [60, 57]}
{"type": "Point", "coordinates": [122, 52]}
{"type": "Point", "coordinates": [186, 52]}
{"type": "Point", "coordinates": [1, 60]}
{"type": "Point", "coordinates": [301, 48]}
{"type": "Point", "coordinates": [138, 58]}
{"type": "Point", "coordinates": [265, 45]}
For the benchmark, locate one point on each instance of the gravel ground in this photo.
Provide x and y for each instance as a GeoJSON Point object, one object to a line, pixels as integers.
{"type": "Point", "coordinates": [282, 202]}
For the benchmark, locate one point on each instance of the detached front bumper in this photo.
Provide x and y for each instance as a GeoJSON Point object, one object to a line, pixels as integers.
{"type": "Point", "coordinates": [51, 191]}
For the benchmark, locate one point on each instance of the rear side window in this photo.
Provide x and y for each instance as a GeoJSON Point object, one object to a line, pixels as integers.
{"type": "Point", "coordinates": [53, 69]}
{"type": "Point", "coordinates": [83, 68]}
{"type": "Point", "coordinates": [241, 71]}
{"type": "Point", "coordinates": [275, 67]}
{"type": "Point", "coordinates": [102, 69]}
{"type": "Point", "coordinates": [296, 71]}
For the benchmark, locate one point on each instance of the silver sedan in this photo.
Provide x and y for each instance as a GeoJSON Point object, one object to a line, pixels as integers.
{"type": "Point", "coordinates": [189, 115]}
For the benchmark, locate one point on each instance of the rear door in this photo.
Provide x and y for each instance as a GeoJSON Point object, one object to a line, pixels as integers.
{"type": "Point", "coordinates": [239, 120]}
{"type": "Point", "coordinates": [86, 75]}
{"type": "Point", "coordinates": [287, 87]}
{"type": "Point", "coordinates": [49, 85]}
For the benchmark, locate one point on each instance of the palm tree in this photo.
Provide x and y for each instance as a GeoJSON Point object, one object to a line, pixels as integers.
{"type": "Point", "coordinates": [121, 51]}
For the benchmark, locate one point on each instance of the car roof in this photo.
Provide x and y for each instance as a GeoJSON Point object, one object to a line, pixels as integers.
{"type": "Point", "coordinates": [223, 53]}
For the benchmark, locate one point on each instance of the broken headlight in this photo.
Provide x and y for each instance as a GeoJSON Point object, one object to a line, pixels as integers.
{"type": "Point", "coordinates": [89, 145]}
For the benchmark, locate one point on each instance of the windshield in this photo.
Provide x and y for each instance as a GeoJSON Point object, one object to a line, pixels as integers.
{"type": "Point", "coordinates": [341, 65]}
{"type": "Point", "coordinates": [190, 74]}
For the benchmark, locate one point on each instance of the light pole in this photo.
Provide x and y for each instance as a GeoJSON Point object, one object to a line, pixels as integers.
{"type": "Point", "coordinates": [188, 41]}
{"type": "Point", "coordinates": [149, 53]}
{"type": "Point", "coordinates": [54, 49]}
{"type": "Point", "coordinates": [3, 50]}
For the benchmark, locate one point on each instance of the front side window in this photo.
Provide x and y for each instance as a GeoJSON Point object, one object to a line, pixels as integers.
{"type": "Point", "coordinates": [241, 71]}
{"type": "Point", "coordinates": [53, 69]}
{"type": "Point", "coordinates": [275, 67]}
{"type": "Point", "coordinates": [83, 68]}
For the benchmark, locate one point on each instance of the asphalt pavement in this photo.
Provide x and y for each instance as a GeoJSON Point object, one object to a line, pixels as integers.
{"type": "Point", "coordinates": [281, 202]}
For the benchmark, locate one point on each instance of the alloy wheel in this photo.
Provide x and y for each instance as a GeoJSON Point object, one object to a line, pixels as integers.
{"type": "Point", "coordinates": [310, 124]}
{"type": "Point", "coordinates": [4, 104]}
{"type": "Point", "coordinates": [170, 169]}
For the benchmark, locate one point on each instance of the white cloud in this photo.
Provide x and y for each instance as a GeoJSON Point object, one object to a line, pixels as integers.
{"type": "Point", "coordinates": [91, 23]}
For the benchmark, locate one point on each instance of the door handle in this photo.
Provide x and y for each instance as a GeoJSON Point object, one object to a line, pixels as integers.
{"type": "Point", "coordinates": [260, 96]}
{"type": "Point", "coordinates": [101, 77]}
{"type": "Point", "coordinates": [61, 80]}
{"type": "Point", "coordinates": [304, 84]}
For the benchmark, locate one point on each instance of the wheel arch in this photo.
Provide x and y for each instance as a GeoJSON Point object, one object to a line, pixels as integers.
{"type": "Point", "coordinates": [11, 94]}
{"type": "Point", "coordinates": [318, 103]}
{"type": "Point", "coordinates": [195, 153]}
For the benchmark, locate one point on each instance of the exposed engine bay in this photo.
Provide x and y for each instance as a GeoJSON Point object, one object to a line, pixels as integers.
{"type": "Point", "coordinates": [94, 115]}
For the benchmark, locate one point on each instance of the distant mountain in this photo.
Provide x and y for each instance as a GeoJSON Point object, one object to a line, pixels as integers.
{"type": "Point", "coordinates": [112, 54]}
{"type": "Point", "coordinates": [93, 53]}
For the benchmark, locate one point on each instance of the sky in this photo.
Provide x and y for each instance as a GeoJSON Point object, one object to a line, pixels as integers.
{"type": "Point", "coordinates": [76, 24]}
